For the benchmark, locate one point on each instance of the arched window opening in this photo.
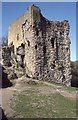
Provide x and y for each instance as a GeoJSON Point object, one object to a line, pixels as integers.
{"type": "Point", "coordinates": [52, 42]}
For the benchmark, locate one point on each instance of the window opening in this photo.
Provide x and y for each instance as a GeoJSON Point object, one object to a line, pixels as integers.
{"type": "Point", "coordinates": [35, 46]}
{"type": "Point", "coordinates": [22, 45]}
{"type": "Point", "coordinates": [52, 42]}
{"type": "Point", "coordinates": [67, 49]}
{"type": "Point", "coordinates": [17, 36]}
{"type": "Point", "coordinates": [44, 49]}
{"type": "Point", "coordinates": [28, 43]}
{"type": "Point", "coordinates": [37, 32]}
{"type": "Point", "coordinates": [53, 61]}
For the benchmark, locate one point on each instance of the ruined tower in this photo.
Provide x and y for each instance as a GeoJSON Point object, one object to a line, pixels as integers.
{"type": "Point", "coordinates": [45, 45]}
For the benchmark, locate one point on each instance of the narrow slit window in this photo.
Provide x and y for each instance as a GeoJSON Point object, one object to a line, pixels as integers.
{"type": "Point", "coordinates": [17, 36]}
{"type": "Point", "coordinates": [44, 49]}
{"type": "Point", "coordinates": [35, 46]}
{"type": "Point", "coordinates": [28, 43]}
{"type": "Point", "coordinates": [60, 33]}
{"type": "Point", "coordinates": [37, 32]}
{"type": "Point", "coordinates": [52, 42]}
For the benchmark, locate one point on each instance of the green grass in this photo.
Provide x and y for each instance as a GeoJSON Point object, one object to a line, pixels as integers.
{"type": "Point", "coordinates": [41, 83]}
{"type": "Point", "coordinates": [32, 104]}
{"type": "Point", "coordinates": [70, 89]}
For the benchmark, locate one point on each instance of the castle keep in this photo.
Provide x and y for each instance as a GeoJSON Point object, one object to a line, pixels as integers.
{"type": "Point", "coordinates": [41, 46]}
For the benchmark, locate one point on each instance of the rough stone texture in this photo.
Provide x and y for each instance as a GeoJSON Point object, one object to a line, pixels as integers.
{"type": "Point", "coordinates": [41, 46]}
{"type": "Point", "coordinates": [13, 64]}
{"type": "Point", "coordinates": [6, 56]}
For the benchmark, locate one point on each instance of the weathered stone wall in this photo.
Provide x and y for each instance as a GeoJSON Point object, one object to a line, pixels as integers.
{"type": "Point", "coordinates": [15, 33]}
{"type": "Point", "coordinates": [46, 46]}
{"type": "Point", "coordinates": [57, 51]}
{"type": "Point", "coordinates": [6, 56]}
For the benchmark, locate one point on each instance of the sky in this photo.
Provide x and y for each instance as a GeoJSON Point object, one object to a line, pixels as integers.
{"type": "Point", "coordinates": [51, 10]}
{"type": "Point", "coordinates": [76, 30]}
{"type": "Point", "coordinates": [0, 19]}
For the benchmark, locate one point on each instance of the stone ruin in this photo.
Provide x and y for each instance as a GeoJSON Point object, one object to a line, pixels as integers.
{"type": "Point", "coordinates": [39, 47]}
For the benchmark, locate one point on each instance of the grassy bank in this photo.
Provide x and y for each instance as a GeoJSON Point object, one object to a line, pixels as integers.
{"type": "Point", "coordinates": [42, 101]}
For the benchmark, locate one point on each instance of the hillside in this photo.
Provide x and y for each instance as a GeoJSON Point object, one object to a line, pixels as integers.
{"type": "Point", "coordinates": [39, 99]}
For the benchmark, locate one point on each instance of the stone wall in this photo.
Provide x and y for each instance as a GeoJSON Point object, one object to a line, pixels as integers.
{"type": "Point", "coordinates": [6, 56]}
{"type": "Point", "coordinates": [46, 46]}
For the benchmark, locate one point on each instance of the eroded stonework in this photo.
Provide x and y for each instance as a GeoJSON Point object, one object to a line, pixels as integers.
{"type": "Point", "coordinates": [41, 46]}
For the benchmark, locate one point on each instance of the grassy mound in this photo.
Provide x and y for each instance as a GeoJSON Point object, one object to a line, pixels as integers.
{"type": "Point", "coordinates": [44, 101]}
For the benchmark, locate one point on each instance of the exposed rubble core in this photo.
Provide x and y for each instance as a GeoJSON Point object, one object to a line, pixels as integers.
{"type": "Point", "coordinates": [41, 47]}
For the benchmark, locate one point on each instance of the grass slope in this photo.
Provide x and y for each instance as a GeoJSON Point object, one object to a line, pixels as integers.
{"type": "Point", "coordinates": [41, 101]}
